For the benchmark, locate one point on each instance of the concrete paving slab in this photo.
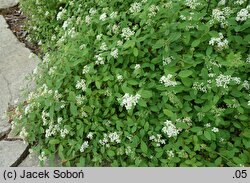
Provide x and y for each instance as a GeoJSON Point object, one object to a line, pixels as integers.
{"type": "Point", "coordinates": [8, 3]}
{"type": "Point", "coordinates": [15, 65]}
{"type": "Point", "coordinates": [12, 152]}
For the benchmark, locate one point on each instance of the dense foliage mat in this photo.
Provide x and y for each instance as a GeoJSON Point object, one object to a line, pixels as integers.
{"type": "Point", "coordinates": [146, 83]}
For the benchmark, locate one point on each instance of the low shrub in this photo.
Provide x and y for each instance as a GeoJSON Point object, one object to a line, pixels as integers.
{"type": "Point", "coordinates": [147, 83]}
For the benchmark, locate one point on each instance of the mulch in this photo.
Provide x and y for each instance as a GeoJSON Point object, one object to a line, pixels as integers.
{"type": "Point", "coordinates": [16, 21]}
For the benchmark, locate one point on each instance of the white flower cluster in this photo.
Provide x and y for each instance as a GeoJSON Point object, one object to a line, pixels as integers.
{"type": "Point", "coordinates": [201, 87]}
{"type": "Point", "coordinates": [153, 10]}
{"type": "Point", "coordinates": [219, 42]}
{"type": "Point", "coordinates": [170, 154]}
{"type": "Point", "coordinates": [166, 60]}
{"type": "Point", "coordinates": [60, 14]}
{"type": "Point", "coordinates": [192, 3]}
{"type": "Point", "coordinates": [135, 7]}
{"type": "Point", "coordinates": [167, 80]}
{"type": "Point", "coordinates": [170, 129]}
{"type": "Point", "coordinates": [113, 15]}
{"type": "Point", "coordinates": [99, 59]}
{"type": "Point", "coordinates": [129, 100]}
{"type": "Point", "coordinates": [128, 150]}
{"type": "Point", "coordinates": [90, 135]}
{"type": "Point", "coordinates": [111, 137]}
{"type": "Point", "coordinates": [221, 15]}
{"type": "Point", "coordinates": [248, 59]}
{"type": "Point", "coordinates": [127, 33]}
{"type": "Point", "coordinates": [245, 84]}
{"type": "Point", "coordinates": [81, 85]}
{"type": "Point", "coordinates": [23, 134]}
{"type": "Point", "coordinates": [223, 80]}
{"type": "Point", "coordinates": [103, 17]}
{"type": "Point", "coordinates": [137, 66]}
{"type": "Point", "coordinates": [157, 139]}
{"type": "Point", "coordinates": [64, 132]}
{"type": "Point", "coordinates": [103, 47]}
{"type": "Point", "coordinates": [242, 15]}
{"type": "Point", "coordinates": [239, 2]}
{"type": "Point", "coordinates": [84, 146]}
{"type": "Point", "coordinates": [119, 78]}
{"type": "Point", "coordinates": [186, 120]}
{"type": "Point", "coordinates": [42, 157]}
{"type": "Point", "coordinates": [114, 53]}
{"type": "Point", "coordinates": [215, 130]}
{"type": "Point", "coordinates": [86, 69]}
{"type": "Point", "coordinates": [80, 99]}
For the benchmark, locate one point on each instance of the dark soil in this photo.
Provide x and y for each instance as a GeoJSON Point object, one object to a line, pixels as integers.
{"type": "Point", "coordinates": [16, 21]}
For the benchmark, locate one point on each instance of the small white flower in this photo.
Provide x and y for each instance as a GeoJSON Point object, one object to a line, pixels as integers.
{"type": "Point", "coordinates": [192, 3]}
{"type": "Point", "coordinates": [120, 43]}
{"type": "Point", "coordinates": [170, 129]}
{"type": "Point", "coordinates": [90, 135]}
{"type": "Point", "coordinates": [207, 125]}
{"type": "Point", "coordinates": [114, 137]}
{"type": "Point", "coordinates": [84, 146]}
{"type": "Point", "coordinates": [170, 154]}
{"type": "Point", "coordinates": [242, 15]}
{"type": "Point", "coordinates": [81, 85]}
{"type": "Point", "coordinates": [127, 33]}
{"type": "Point", "coordinates": [129, 100]}
{"type": "Point", "coordinates": [99, 36]}
{"type": "Point", "coordinates": [137, 66]}
{"type": "Point", "coordinates": [167, 80]}
{"type": "Point", "coordinates": [92, 11]}
{"type": "Point", "coordinates": [119, 78]}
{"type": "Point", "coordinates": [113, 15]}
{"type": "Point", "coordinates": [87, 19]}
{"type": "Point", "coordinates": [215, 130]}
{"type": "Point", "coordinates": [167, 60]}
{"type": "Point", "coordinates": [114, 53]}
{"type": "Point", "coordinates": [103, 47]}
{"type": "Point", "coordinates": [103, 17]}
{"type": "Point", "coordinates": [135, 7]}
{"type": "Point", "coordinates": [83, 46]}
{"type": "Point", "coordinates": [86, 69]}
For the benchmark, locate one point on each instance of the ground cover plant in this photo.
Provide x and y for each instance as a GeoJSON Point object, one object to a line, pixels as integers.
{"type": "Point", "coordinates": [139, 83]}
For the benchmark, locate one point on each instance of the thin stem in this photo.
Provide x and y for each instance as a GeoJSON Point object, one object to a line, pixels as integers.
{"type": "Point", "coordinates": [208, 6]}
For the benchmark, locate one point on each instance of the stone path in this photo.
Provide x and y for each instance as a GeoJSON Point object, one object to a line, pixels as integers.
{"type": "Point", "coordinates": [15, 64]}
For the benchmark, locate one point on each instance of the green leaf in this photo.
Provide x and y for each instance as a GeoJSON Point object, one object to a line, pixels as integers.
{"type": "Point", "coordinates": [54, 141]}
{"type": "Point", "coordinates": [207, 135]}
{"type": "Point", "coordinates": [185, 73]}
{"type": "Point", "coordinates": [73, 109]}
{"type": "Point", "coordinates": [160, 43]}
{"type": "Point", "coordinates": [145, 93]}
{"type": "Point", "coordinates": [144, 147]}
{"type": "Point", "coordinates": [218, 161]}
{"type": "Point", "coordinates": [246, 133]}
{"type": "Point", "coordinates": [129, 43]}
{"type": "Point", "coordinates": [195, 43]}
{"type": "Point", "coordinates": [169, 114]}
{"type": "Point", "coordinates": [135, 52]}
{"type": "Point", "coordinates": [110, 153]}
{"type": "Point", "coordinates": [196, 129]}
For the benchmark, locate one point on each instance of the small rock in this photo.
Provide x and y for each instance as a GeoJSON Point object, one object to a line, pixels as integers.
{"type": "Point", "coordinates": [12, 152]}
{"type": "Point", "coordinates": [8, 3]}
